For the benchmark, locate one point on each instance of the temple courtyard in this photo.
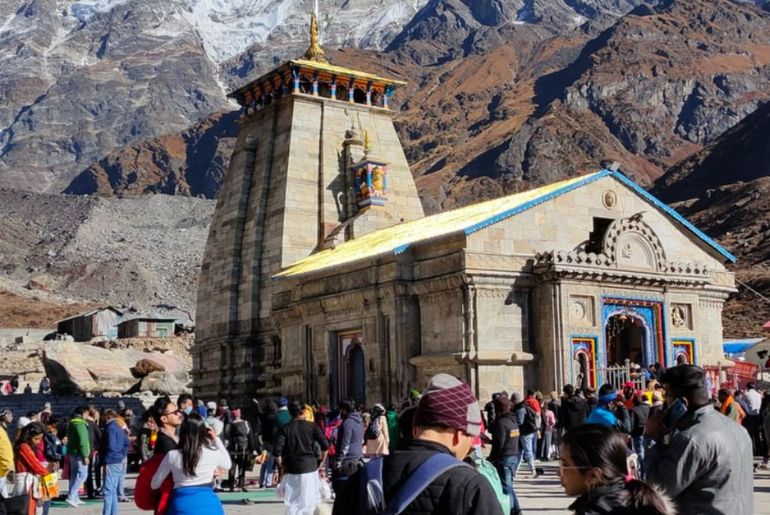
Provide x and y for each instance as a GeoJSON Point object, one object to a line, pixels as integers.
{"type": "Point", "coordinates": [543, 496]}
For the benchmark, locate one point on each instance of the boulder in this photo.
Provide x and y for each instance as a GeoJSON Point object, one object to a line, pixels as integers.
{"type": "Point", "coordinates": [78, 368]}
{"type": "Point", "coordinates": [146, 366]}
{"type": "Point", "coordinates": [163, 383]}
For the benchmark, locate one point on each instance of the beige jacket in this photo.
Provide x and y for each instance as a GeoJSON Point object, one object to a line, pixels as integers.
{"type": "Point", "coordinates": [379, 446]}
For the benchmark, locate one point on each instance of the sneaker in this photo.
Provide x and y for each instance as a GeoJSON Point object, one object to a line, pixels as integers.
{"type": "Point", "coordinates": [72, 503]}
{"type": "Point", "coordinates": [81, 503]}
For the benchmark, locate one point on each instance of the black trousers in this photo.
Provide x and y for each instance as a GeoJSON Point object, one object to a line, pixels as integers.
{"type": "Point", "coordinates": [237, 475]}
{"type": "Point", "coordinates": [94, 479]}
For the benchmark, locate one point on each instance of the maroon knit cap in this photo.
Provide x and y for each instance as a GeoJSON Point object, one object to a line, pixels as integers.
{"type": "Point", "coordinates": [448, 402]}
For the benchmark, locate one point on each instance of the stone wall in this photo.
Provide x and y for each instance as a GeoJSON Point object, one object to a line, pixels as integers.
{"type": "Point", "coordinates": [279, 201]}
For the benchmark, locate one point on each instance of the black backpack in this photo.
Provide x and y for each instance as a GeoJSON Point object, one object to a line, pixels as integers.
{"type": "Point", "coordinates": [530, 424]}
{"type": "Point", "coordinates": [239, 436]}
{"type": "Point", "coordinates": [373, 431]}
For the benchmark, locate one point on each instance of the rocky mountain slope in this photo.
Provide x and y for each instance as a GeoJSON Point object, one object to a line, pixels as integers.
{"type": "Point", "coordinates": [504, 96]}
{"type": "Point", "coordinates": [79, 79]}
{"type": "Point", "coordinates": [141, 252]}
{"type": "Point", "coordinates": [725, 189]}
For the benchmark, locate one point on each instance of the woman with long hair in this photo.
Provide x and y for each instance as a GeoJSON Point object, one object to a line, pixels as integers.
{"type": "Point", "coordinates": [26, 460]}
{"type": "Point", "coordinates": [594, 467]}
{"type": "Point", "coordinates": [193, 466]}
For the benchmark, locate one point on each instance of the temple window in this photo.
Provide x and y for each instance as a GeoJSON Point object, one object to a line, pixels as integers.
{"type": "Point", "coordinates": [342, 92]}
{"type": "Point", "coordinates": [359, 96]}
{"type": "Point", "coordinates": [324, 90]}
{"type": "Point", "coordinates": [377, 98]}
{"type": "Point", "coordinates": [596, 237]}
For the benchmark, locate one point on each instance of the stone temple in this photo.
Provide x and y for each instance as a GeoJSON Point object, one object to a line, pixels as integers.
{"type": "Point", "coordinates": [322, 278]}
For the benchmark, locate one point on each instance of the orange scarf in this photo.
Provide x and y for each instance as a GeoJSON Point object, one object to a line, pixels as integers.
{"type": "Point", "coordinates": [726, 406]}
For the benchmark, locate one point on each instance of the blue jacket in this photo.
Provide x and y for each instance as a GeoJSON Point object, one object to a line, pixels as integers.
{"type": "Point", "coordinates": [114, 444]}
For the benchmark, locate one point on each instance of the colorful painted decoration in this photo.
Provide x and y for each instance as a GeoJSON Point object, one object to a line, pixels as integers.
{"type": "Point", "coordinates": [371, 183]}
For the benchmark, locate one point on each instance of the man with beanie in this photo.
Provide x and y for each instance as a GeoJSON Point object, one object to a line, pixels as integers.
{"type": "Point", "coordinates": [506, 451]}
{"type": "Point", "coordinates": [699, 457]}
{"type": "Point", "coordinates": [446, 420]}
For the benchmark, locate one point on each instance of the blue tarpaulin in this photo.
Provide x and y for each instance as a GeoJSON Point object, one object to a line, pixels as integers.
{"type": "Point", "coordinates": [732, 347]}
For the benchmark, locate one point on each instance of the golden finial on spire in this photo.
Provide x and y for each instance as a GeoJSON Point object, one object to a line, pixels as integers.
{"type": "Point", "coordinates": [314, 51]}
{"type": "Point", "coordinates": [367, 143]}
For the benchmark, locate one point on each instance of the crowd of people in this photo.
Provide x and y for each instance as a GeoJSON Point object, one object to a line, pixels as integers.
{"type": "Point", "coordinates": [671, 448]}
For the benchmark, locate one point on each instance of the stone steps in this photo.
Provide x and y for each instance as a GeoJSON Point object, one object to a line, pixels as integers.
{"type": "Point", "coordinates": [21, 404]}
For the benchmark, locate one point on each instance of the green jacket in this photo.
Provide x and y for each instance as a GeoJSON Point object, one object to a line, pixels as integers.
{"type": "Point", "coordinates": [77, 438]}
{"type": "Point", "coordinates": [392, 418]}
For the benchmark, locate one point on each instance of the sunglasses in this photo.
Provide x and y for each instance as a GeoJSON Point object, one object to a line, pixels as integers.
{"type": "Point", "coordinates": [175, 412]}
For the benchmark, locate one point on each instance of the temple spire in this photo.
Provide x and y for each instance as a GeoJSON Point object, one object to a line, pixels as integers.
{"type": "Point", "coordinates": [314, 51]}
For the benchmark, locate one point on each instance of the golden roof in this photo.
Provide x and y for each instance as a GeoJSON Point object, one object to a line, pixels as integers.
{"type": "Point", "coordinates": [469, 219]}
{"type": "Point", "coordinates": [340, 70]}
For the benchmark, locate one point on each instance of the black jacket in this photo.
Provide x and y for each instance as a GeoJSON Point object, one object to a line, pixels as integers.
{"type": "Point", "coordinates": [505, 438]}
{"type": "Point", "coordinates": [458, 491]}
{"type": "Point", "coordinates": [572, 413]}
{"type": "Point", "coordinates": [639, 416]}
{"type": "Point", "coordinates": [296, 446]}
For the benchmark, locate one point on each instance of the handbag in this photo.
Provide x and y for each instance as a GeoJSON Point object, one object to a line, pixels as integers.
{"type": "Point", "coordinates": [49, 486]}
{"type": "Point", "coordinates": [17, 483]}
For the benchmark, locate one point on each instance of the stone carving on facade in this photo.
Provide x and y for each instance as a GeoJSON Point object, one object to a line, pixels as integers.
{"type": "Point", "coordinates": [582, 310]}
{"type": "Point", "coordinates": [680, 316]}
{"type": "Point", "coordinates": [610, 199]}
{"type": "Point", "coordinates": [629, 234]}
{"type": "Point", "coordinates": [631, 251]}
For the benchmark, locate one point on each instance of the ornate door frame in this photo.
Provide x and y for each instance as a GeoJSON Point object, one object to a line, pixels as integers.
{"type": "Point", "coordinates": [651, 312]}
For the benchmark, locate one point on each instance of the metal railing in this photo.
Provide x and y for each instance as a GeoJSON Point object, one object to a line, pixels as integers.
{"type": "Point", "coordinates": [618, 375]}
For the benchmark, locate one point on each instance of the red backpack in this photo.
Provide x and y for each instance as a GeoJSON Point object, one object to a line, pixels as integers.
{"type": "Point", "coordinates": [145, 497]}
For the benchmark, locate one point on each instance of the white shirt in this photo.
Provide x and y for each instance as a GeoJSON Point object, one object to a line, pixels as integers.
{"type": "Point", "coordinates": [754, 399]}
{"type": "Point", "coordinates": [211, 459]}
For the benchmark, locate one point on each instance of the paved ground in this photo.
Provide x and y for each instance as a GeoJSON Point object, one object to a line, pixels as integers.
{"type": "Point", "coordinates": [541, 496]}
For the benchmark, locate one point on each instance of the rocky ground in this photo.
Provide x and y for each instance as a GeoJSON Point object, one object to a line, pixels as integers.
{"type": "Point", "coordinates": [142, 253]}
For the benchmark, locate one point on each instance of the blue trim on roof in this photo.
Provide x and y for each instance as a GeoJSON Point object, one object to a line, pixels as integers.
{"type": "Point", "coordinates": [673, 214]}
{"type": "Point", "coordinates": [534, 202]}
{"type": "Point", "coordinates": [400, 249]}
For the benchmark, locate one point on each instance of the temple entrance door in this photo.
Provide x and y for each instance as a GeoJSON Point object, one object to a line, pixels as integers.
{"type": "Point", "coordinates": [624, 337]}
{"type": "Point", "coordinates": [357, 374]}
{"type": "Point", "coordinates": [349, 368]}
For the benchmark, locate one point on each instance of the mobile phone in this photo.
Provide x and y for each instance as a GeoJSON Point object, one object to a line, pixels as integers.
{"type": "Point", "coordinates": [676, 411]}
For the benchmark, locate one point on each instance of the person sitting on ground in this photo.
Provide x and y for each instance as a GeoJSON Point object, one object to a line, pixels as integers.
{"type": "Point", "coordinates": [193, 466]}
{"type": "Point", "coordinates": [594, 467]}
{"type": "Point", "coordinates": [700, 458]}
{"type": "Point", "coordinates": [446, 420]}
{"type": "Point", "coordinates": [45, 386]}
